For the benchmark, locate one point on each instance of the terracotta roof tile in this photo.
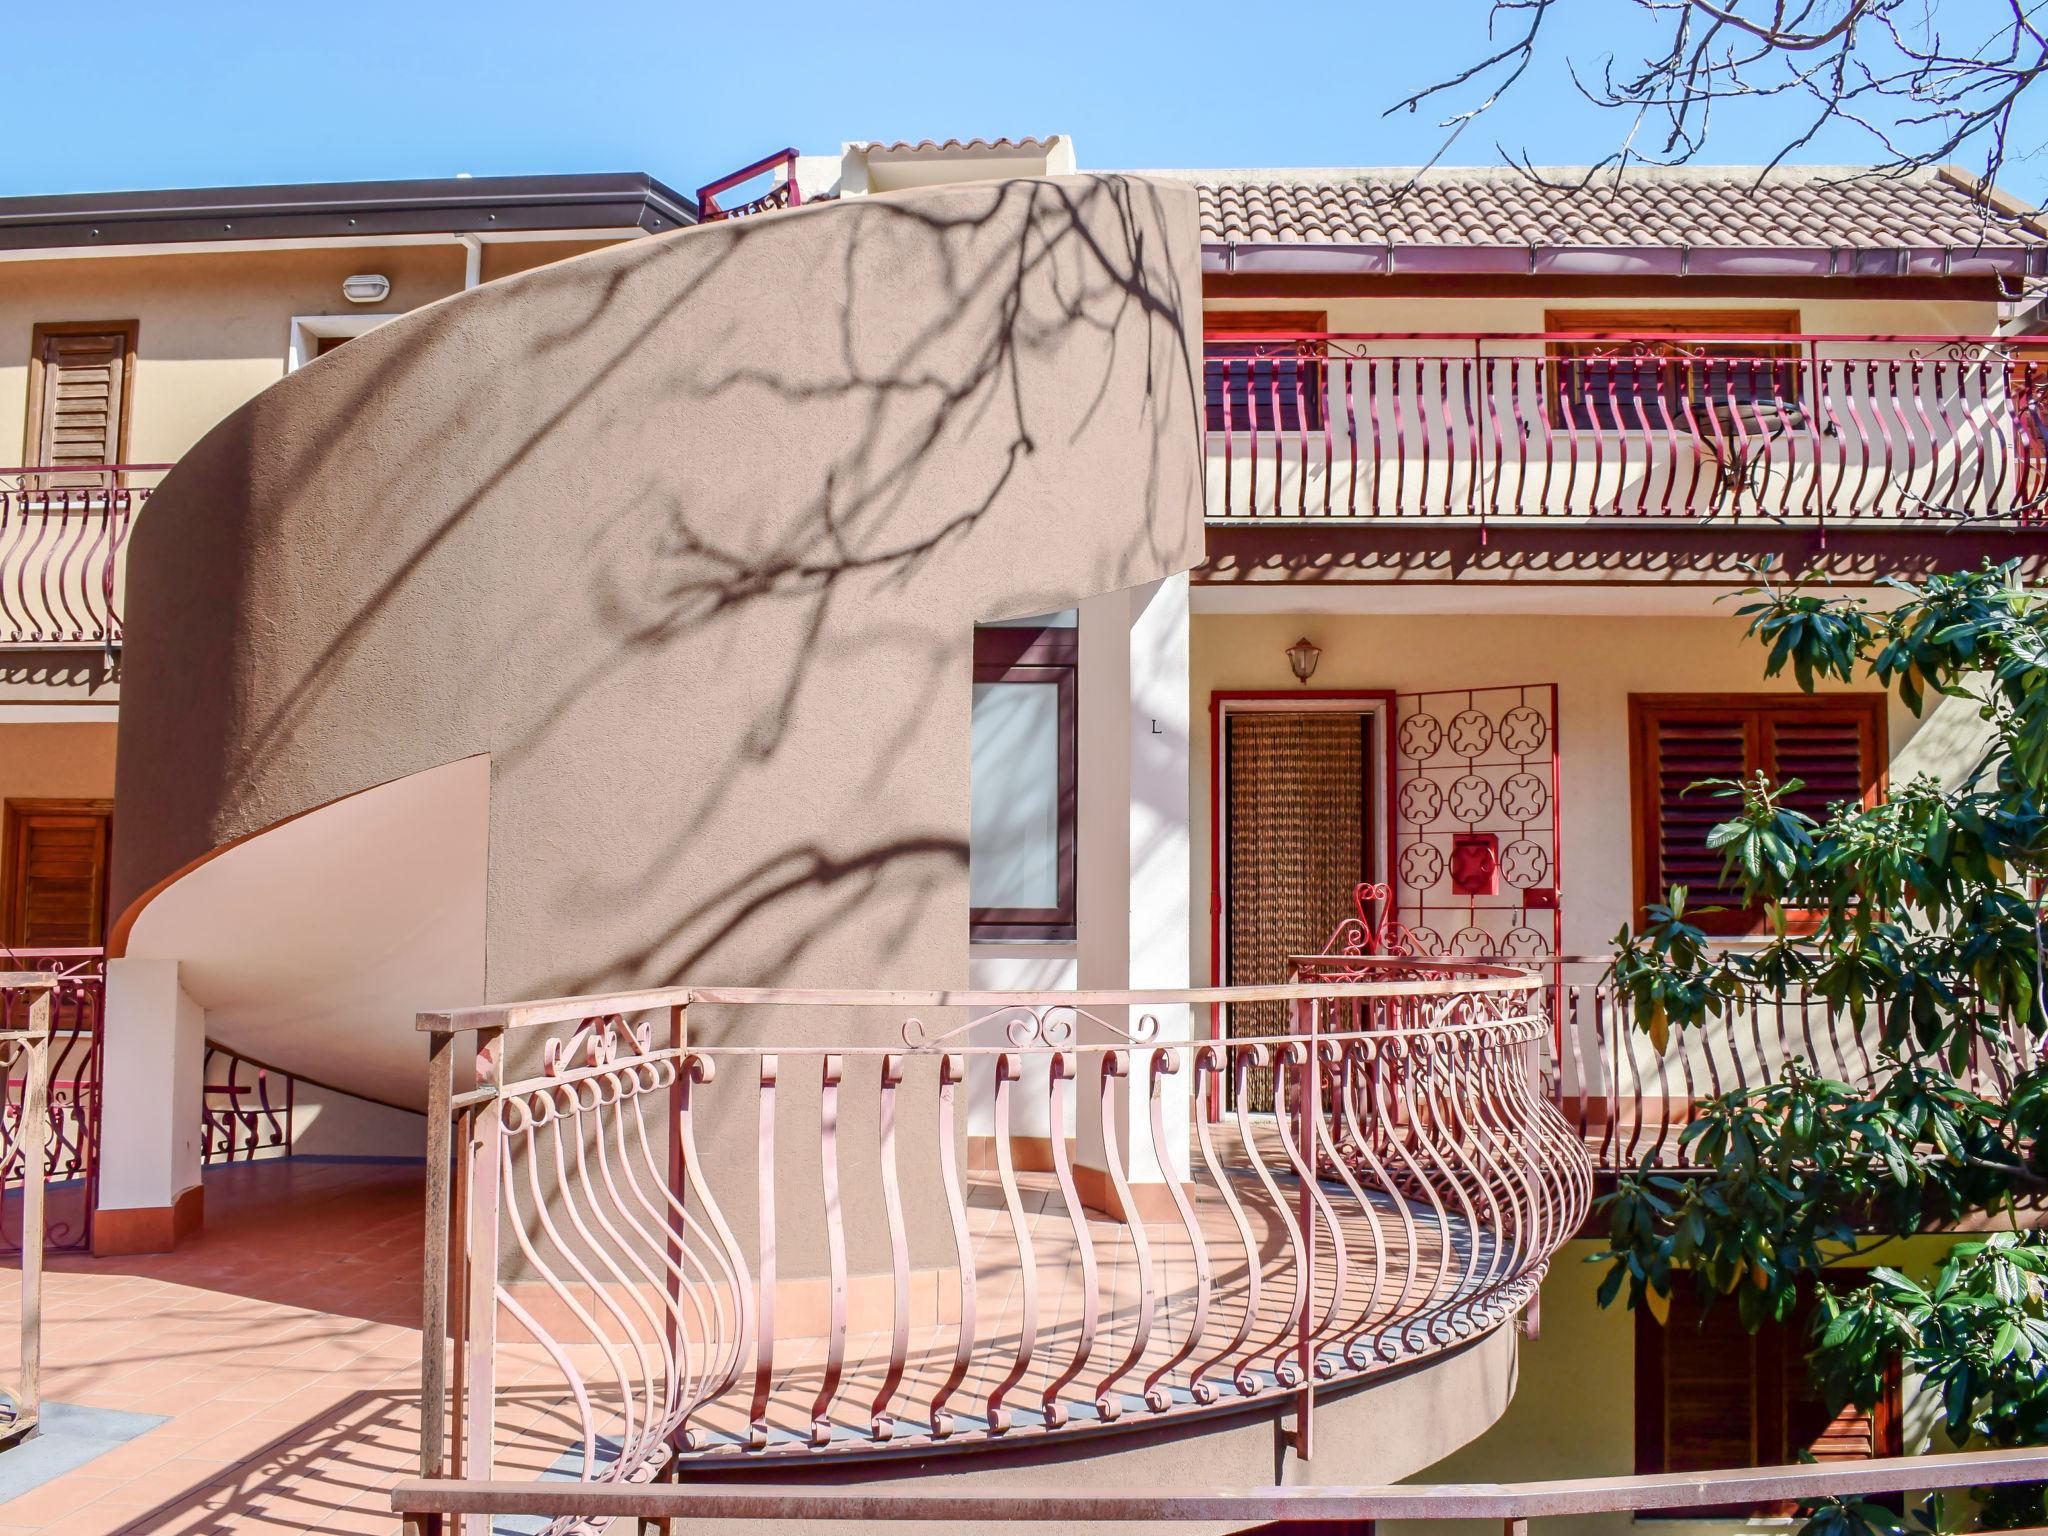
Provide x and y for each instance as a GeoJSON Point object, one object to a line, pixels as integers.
{"type": "Point", "coordinates": [1028, 146]}
{"type": "Point", "coordinates": [1700, 207]}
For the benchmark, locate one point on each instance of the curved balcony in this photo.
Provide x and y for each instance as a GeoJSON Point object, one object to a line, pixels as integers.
{"type": "Point", "coordinates": [1036, 1218]}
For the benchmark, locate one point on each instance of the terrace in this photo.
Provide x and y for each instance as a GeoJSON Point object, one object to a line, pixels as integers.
{"type": "Point", "coordinates": [1021, 1227]}
{"type": "Point", "coordinates": [1810, 430]}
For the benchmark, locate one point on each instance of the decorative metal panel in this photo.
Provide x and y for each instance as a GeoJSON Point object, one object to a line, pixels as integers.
{"type": "Point", "coordinates": [1475, 821]}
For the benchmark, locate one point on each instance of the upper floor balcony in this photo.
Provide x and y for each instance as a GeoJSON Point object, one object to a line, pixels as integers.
{"type": "Point", "coordinates": [1809, 430]}
{"type": "Point", "coordinates": [63, 552]}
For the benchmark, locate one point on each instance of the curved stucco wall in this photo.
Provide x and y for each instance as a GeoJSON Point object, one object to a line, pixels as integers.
{"type": "Point", "coordinates": [687, 536]}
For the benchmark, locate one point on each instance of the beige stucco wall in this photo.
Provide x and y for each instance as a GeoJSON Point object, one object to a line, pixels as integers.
{"type": "Point", "coordinates": [213, 328]}
{"type": "Point", "coordinates": [56, 761]}
{"type": "Point", "coordinates": [1596, 661]}
{"type": "Point", "coordinates": [688, 538]}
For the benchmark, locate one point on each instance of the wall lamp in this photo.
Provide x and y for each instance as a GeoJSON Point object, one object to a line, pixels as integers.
{"type": "Point", "coordinates": [1302, 656]}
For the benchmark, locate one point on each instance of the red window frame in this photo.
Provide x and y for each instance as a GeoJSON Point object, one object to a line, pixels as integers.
{"type": "Point", "coordinates": [1021, 654]}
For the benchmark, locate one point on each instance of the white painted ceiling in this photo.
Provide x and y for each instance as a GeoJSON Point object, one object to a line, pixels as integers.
{"type": "Point", "coordinates": [312, 946]}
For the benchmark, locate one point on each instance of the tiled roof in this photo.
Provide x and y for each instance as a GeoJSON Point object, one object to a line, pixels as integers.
{"type": "Point", "coordinates": [1026, 146]}
{"type": "Point", "coordinates": [1694, 207]}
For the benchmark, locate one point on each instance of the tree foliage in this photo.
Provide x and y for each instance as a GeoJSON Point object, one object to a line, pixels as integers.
{"type": "Point", "coordinates": [1917, 920]}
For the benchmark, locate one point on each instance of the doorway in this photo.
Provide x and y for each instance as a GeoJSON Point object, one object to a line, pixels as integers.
{"type": "Point", "coordinates": [1299, 809]}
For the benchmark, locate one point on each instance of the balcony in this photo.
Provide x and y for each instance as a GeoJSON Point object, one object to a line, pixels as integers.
{"type": "Point", "coordinates": [1815, 431]}
{"type": "Point", "coordinates": [1032, 1219]}
{"type": "Point", "coordinates": [63, 539]}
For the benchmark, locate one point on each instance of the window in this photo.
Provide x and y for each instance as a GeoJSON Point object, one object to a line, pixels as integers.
{"type": "Point", "coordinates": [56, 871]}
{"type": "Point", "coordinates": [80, 375]}
{"type": "Point", "coordinates": [1020, 868]}
{"type": "Point", "coordinates": [1833, 743]}
{"type": "Point", "coordinates": [314, 336]}
{"type": "Point", "coordinates": [1256, 385]}
{"type": "Point", "coordinates": [1710, 1394]}
{"type": "Point", "coordinates": [1705, 388]}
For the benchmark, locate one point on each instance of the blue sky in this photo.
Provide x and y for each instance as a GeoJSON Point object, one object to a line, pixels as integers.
{"type": "Point", "coordinates": [224, 92]}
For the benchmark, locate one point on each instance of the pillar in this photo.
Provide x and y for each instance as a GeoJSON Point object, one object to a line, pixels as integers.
{"type": "Point", "coordinates": [152, 1063]}
{"type": "Point", "coordinates": [1133, 898]}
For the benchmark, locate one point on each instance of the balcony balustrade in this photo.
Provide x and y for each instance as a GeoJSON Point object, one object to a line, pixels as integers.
{"type": "Point", "coordinates": [63, 539]}
{"type": "Point", "coordinates": [1629, 1103]}
{"type": "Point", "coordinates": [1036, 1219]}
{"type": "Point", "coordinates": [1807, 430]}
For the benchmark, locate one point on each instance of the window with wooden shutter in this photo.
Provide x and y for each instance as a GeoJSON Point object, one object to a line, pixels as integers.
{"type": "Point", "coordinates": [78, 388]}
{"type": "Point", "coordinates": [1833, 743]}
{"type": "Point", "coordinates": [1638, 384]}
{"type": "Point", "coordinates": [1712, 1395]}
{"type": "Point", "coordinates": [1263, 385]}
{"type": "Point", "coordinates": [57, 873]}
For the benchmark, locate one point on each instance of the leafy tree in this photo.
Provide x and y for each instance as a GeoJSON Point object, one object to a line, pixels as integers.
{"type": "Point", "coordinates": [1918, 918]}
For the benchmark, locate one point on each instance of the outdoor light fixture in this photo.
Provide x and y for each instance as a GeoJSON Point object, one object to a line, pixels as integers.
{"type": "Point", "coordinates": [366, 288]}
{"type": "Point", "coordinates": [1303, 656]}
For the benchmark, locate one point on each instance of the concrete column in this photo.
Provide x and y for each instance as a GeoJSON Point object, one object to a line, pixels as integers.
{"type": "Point", "coordinates": [152, 1066]}
{"type": "Point", "coordinates": [1134, 880]}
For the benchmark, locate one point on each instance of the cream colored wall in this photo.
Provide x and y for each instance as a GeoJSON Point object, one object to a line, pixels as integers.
{"type": "Point", "coordinates": [1597, 662]}
{"type": "Point", "coordinates": [1823, 317]}
{"type": "Point", "coordinates": [57, 761]}
{"type": "Point", "coordinates": [212, 329]}
{"type": "Point", "coordinates": [503, 258]}
{"type": "Point", "coordinates": [1573, 1413]}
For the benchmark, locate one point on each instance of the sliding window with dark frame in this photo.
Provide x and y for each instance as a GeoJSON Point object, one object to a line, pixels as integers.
{"type": "Point", "coordinates": [1021, 851]}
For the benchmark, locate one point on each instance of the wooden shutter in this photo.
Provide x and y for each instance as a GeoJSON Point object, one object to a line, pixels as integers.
{"type": "Point", "coordinates": [1697, 1378]}
{"type": "Point", "coordinates": [1832, 753]}
{"type": "Point", "coordinates": [1834, 743]}
{"type": "Point", "coordinates": [1680, 748]}
{"type": "Point", "coordinates": [78, 394]}
{"type": "Point", "coordinates": [1710, 1394]}
{"type": "Point", "coordinates": [57, 873]}
{"type": "Point", "coordinates": [1246, 387]}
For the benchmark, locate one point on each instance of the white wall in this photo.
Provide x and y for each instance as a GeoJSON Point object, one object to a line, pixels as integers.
{"type": "Point", "coordinates": [149, 1138]}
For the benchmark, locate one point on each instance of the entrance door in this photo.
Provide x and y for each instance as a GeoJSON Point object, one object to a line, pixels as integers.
{"type": "Point", "coordinates": [1299, 805]}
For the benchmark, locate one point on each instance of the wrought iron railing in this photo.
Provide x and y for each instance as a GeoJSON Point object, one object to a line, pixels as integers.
{"type": "Point", "coordinates": [63, 539]}
{"type": "Point", "coordinates": [73, 1051]}
{"type": "Point", "coordinates": [25, 1021]}
{"type": "Point", "coordinates": [1629, 1102]}
{"type": "Point", "coordinates": [248, 1110]}
{"type": "Point", "coordinates": [782, 193]}
{"type": "Point", "coordinates": [1797, 429]}
{"type": "Point", "coordinates": [1020, 1215]}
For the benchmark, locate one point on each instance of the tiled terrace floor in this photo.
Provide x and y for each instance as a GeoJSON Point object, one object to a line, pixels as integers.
{"type": "Point", "coordinates": [283, 1343]}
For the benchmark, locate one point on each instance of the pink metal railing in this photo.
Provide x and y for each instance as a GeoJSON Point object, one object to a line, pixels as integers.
{"type": "Point", "coordinates": [26, 1007]}
{"type": "Point", "coordinates": [1630, 1103]}
{"type": "Point", "coordinates": [783, 194]}
{"type": "Point", "coordinates": [247, 1111]}
{"type": "Point", "coordinates": [937, 1270]}
{"type": "Point", "coordinates": [1797, 429]}
{"type": "Point", "coordinates": [63, 531]}
{"type": "Point", "coordinates": [71, 1062]}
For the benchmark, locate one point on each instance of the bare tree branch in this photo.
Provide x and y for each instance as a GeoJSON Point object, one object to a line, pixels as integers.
{"type": "Point", "coordinates": [1881, 68]}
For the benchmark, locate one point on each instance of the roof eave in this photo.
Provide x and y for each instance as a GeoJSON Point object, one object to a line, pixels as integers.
{"type": "Point", "coordinates": [1247, 257]}
{"type": "Point", "coordinates": [482, 206]}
